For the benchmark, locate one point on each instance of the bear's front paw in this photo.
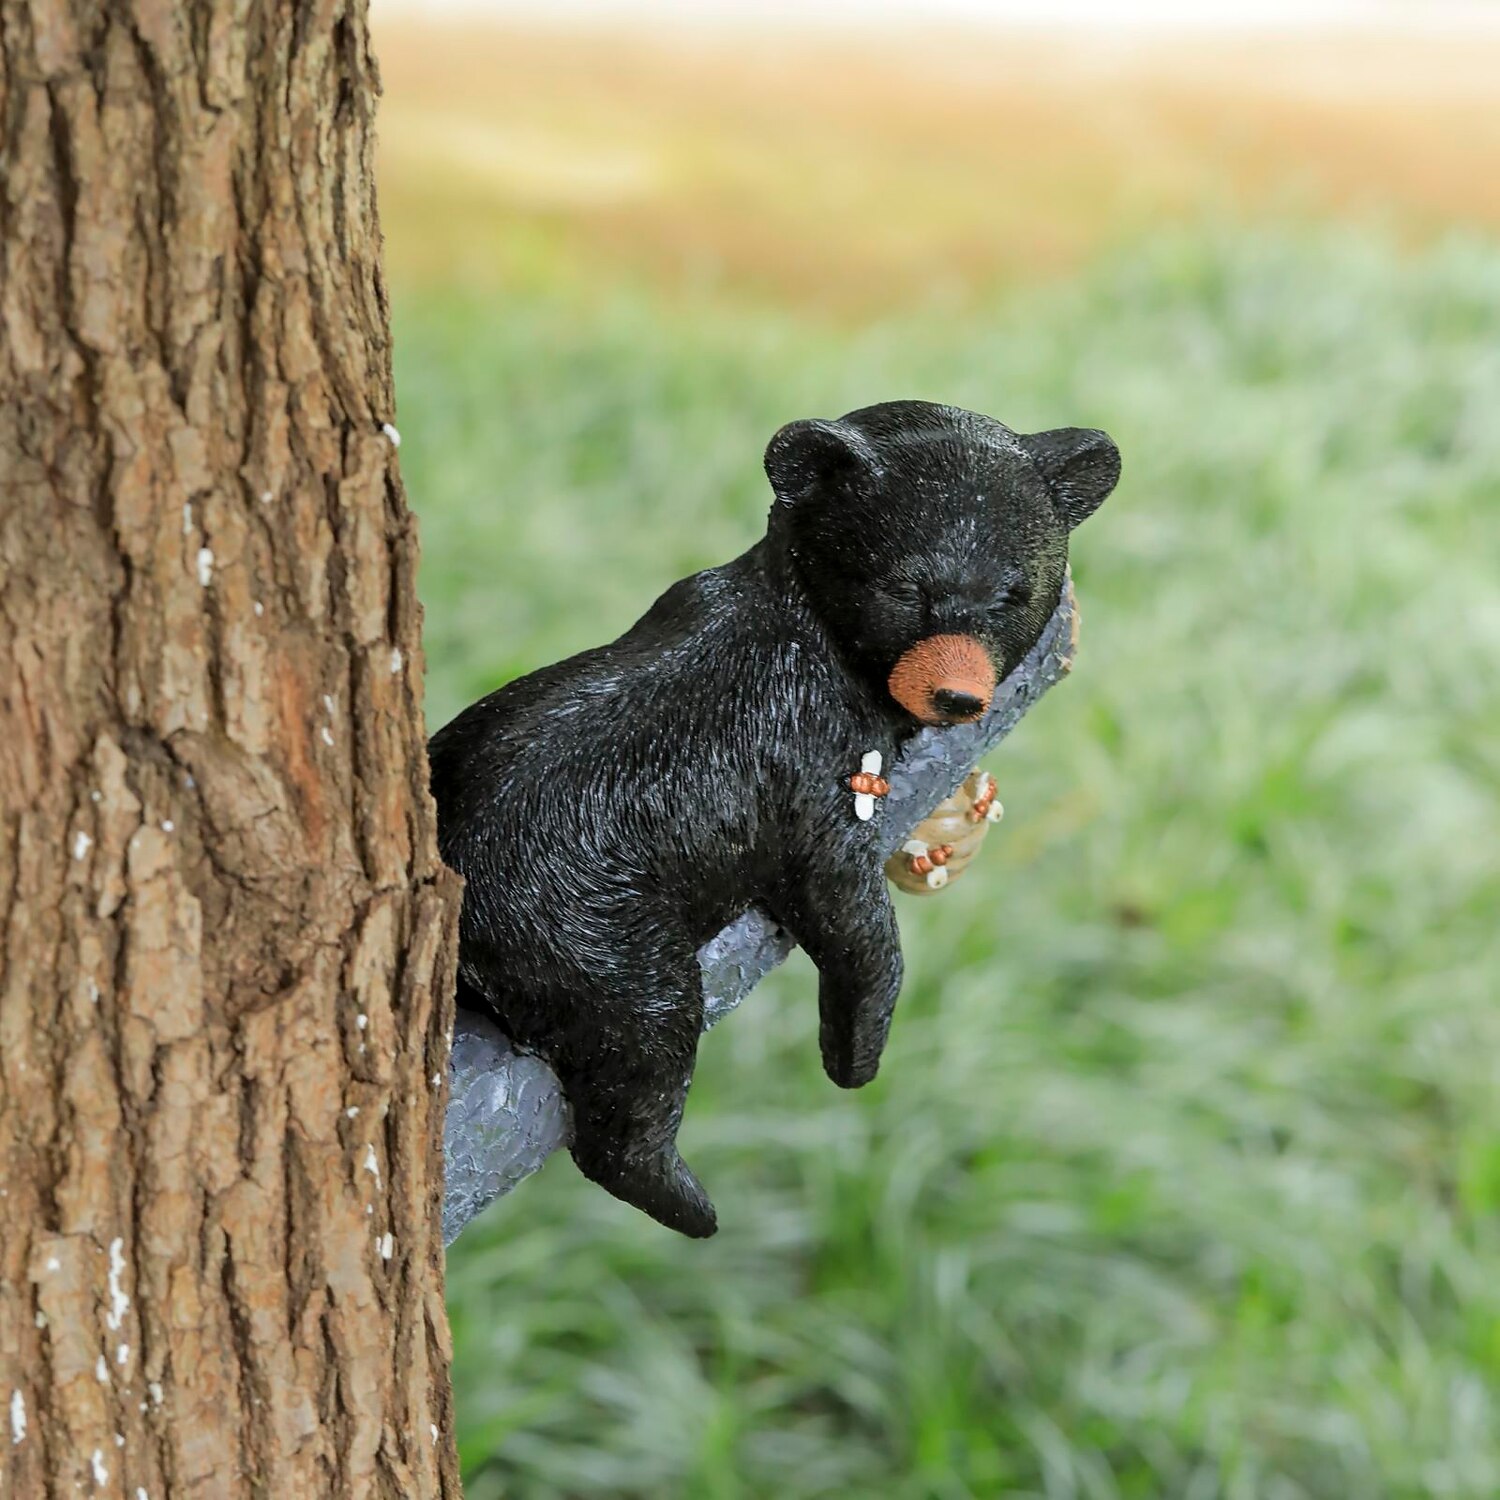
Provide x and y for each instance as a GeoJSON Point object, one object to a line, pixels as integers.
{"type": "Point", "coordinates": [849, 1074]}
{"type": "Point", "coordinates": [855, 1020]}
{"type": "Point", "coordinates": [849, 1067]}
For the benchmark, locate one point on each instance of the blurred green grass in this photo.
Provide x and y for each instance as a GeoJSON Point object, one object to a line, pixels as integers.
{"type": "Point", "coordinates": [1182, 1174]}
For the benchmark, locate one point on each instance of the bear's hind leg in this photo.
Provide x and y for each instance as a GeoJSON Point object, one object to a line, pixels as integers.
{"type": "Point", "coordinates": [627, 1104]}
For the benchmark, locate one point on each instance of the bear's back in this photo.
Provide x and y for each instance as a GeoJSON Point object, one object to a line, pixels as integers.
{"type": "Point", "coordinates": [577, 773]}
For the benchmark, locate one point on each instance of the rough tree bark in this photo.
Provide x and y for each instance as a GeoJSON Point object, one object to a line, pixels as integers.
{"type": "Point", "coordinates": [225, 982]}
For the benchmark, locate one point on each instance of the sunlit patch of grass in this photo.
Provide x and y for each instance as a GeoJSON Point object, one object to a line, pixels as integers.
{"type": "Point", "coordinates": [863, 171]}
{"type": "Point", "coordinates": [1180, 1177]}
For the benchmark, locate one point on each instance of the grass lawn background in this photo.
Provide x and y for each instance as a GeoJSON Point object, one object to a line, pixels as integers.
{"type": "Point", "coordinates": [1182, 1174]}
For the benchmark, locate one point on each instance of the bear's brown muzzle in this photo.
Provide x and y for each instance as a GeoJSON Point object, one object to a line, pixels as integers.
{"type": "Point", "coordinates": [945, 679]}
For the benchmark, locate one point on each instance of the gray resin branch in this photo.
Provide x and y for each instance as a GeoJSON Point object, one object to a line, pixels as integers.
{"type": "Point", "coordinates": [506, 1112]}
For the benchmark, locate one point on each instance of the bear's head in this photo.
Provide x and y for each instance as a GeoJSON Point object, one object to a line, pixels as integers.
{"type": "Point", "coordinates": [932, 542]}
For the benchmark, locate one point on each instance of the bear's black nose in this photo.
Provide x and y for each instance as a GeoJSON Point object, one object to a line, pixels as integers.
{"type": "Point", "coordinates": [953, 704]}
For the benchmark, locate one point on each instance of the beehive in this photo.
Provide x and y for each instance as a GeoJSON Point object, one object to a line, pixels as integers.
{"type": "Point", "coordinates": [958, 825]}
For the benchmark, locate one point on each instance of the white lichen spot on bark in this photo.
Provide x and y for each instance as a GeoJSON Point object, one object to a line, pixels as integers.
{"type": "Point", "coordinates": [119, 1299]}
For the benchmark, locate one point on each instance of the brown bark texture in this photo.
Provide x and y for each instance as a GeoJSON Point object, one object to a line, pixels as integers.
{"type": "Point", "coordinates": [226, 939]}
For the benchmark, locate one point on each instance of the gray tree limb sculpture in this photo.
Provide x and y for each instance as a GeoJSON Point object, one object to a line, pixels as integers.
{"type": "Point", "coordinates": [506, 1112]}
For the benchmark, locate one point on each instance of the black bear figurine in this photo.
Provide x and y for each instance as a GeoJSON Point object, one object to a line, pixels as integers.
{"type": "Point", "coordinates": [614, 811]}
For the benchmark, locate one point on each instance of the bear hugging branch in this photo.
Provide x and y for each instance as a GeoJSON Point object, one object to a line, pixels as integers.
{"type": "Point", "coordinates": [908, 605]}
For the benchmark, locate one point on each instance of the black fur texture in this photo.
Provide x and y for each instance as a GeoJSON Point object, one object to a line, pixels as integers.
{"type": "Point", "coordinates": [614, 811]}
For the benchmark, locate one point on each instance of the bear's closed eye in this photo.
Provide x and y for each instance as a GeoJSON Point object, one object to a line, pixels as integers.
{"type": "Point", "coordinates": [1018, 596]}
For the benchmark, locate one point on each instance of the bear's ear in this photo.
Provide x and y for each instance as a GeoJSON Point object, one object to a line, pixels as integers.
{"type": "Point", "coordinates": [1081, 466]}
{"type": "Point", "coordinates": [815, 454]}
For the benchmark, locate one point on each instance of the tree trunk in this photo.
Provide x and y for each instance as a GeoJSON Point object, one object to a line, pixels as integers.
{"type": "Point", "coordinates": [226, 974]}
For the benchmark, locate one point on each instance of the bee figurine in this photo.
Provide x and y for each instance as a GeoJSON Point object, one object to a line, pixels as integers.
{"type": "Point", "coordinates": [867, 784]}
